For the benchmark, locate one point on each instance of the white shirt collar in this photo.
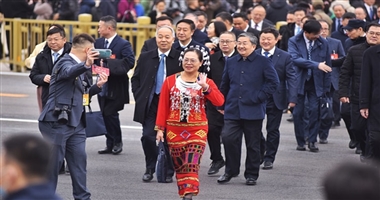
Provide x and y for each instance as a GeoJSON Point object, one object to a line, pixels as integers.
{"type": "Point", "coordinates": [271, 52]}
{"type": "Point", "coordinates": [60, 52]}
{"type": "Point", "coordinates": [182, 45]}
{"type": "Point", "coordinates": [307, 41]}
{"type": "Point", "coordinates": [75, 58]}
{"type": "Point", "coordinates": [110, 39]}
{"type": "Point", "coordinates": [246, 28]}
{"type": "Point", "coordinates": [259, 25]}
{"type": "Point", "coordinates": [232, 53]}
{"type": "Point", "coordinates": [203, 29]}
{"type": "Point", "coordinates": [231, 29]}
{"type": "Point", "coordinates": [160, 52]}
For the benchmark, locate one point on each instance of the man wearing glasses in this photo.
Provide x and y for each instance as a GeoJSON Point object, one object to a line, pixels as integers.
{"type": "Point", "coordinates": [349, 85]}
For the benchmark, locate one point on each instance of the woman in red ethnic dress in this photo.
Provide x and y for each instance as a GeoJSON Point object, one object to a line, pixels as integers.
{"type": "Point", "coordinates": [181, 113]}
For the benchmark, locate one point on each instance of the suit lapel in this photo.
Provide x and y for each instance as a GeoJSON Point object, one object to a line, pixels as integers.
{"type": "Point", "coordinates": [113, 43]}
{"type": "Point", "coordinates": [275, 56]}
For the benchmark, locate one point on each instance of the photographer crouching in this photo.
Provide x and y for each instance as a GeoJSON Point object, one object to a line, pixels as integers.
{"type": "Point", "coordinates": [62, 121]}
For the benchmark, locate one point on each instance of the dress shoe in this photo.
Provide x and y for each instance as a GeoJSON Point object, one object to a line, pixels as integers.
{"type": "Point", "coordinates": [148, 176]}
{"type": "Point", "coordinates": [106, 150]}
{"type": "Point", "coordinates": [169, 179]}
{"type": "Point", "coordinates": [67, 171]}
{"type": "Point", "coordinates": [301, 148]}
{"type": "Point", "coordinates": [312, 147]}
{"type": "Point", "coordinates": [323, 141]}
{"type": "Point", "coordinates": [336, 123]}
{"type": "Point", "coordinates": [225, 178]}
{"type": "Point", "coordinates": [290, 119]}
{"type": "Point", "coordinates": [358, 150]}
{"type": "Point", "coordinates": [352, 144]}
{"type": "Point", "coordinates": [215, 166]}
{"type": "Point", "coordinates": [186, 198]}
{"type": "Point", "coordinates": [117, 148]}
{"type": "Point", "coordinates": [268, 165]}
{"type": "Point", "coordinates": [250, 181]}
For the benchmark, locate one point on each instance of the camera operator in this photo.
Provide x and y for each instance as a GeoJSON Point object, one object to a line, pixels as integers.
{"type": "Point", "coordinates": [62, 120]}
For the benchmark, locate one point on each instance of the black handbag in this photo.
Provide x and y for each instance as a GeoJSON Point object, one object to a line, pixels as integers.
{"type": "Point", "coordinates": [94, 123]}
{"type": "Point", "coordinates": [325, 109]}
{"type": "Point", "coordinates": [161, 168]}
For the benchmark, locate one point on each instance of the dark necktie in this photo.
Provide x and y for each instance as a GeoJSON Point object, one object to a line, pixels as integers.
{"type": "Point", "coordinates": [160, 74]}
{"type": "Point", "coordinates": [266, 54]}
{"type": "Point", "coordinates": [256, 26]}
{"type": "Point", "coordinates": [106, 44]}
{"type": "Point", "coordinates": [337, 25]}
{"type": "Point", "coordinates": [309, 72]}
{"type": "Point", "coordinates": [371, 13]}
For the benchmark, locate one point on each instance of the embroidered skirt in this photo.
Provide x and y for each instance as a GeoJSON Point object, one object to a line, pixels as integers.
{"type": "Point", "coordinates": [187, 143]}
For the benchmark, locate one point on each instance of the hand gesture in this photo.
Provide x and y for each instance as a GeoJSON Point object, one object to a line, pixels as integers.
{"type": "Point", "coordinates": [364, 112]}
{"type": "Point", "coordinates": [323, 67]}
{"type": "Point", "coordinates": [202, 79]}
{"type": "Point", "coordinates": [47, 78]}
{"type": "Point", "coordinates": [102, 79]}
{"type": "Point", "coordinates": [91, 56]}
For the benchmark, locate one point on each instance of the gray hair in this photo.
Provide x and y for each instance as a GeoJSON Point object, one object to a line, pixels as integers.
{"type": "Point", "coordinates": [251, 36]}
{"type": "Point", "coordinates": [191, 15]}
{"type": "Point", "coordinates": [168, 27]}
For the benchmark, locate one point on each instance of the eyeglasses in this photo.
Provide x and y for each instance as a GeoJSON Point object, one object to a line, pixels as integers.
{"type": "Point", "coordinates": [374, 33]}
{"type": "Point", "coordinates": [191, 60]}
{"type": "Point", "coordinates": [226, 41]}
{"type": "Point", "coordinates": [53, 39]}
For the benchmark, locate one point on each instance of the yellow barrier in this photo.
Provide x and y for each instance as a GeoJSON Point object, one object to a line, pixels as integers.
{"type": "Point", "coordinates": [24, 35]}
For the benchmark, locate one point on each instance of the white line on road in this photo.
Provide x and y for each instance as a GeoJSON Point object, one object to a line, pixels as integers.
{"type": "Point", "coordinates": [14, 73]}
{"type": "Point", "coordinates": [36, 121]}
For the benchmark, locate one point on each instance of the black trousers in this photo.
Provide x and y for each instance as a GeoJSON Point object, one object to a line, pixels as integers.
{"type": "Point", "coordinates": [148, 139]}
{"type": "Point", "coordinates": [232, 136]}
{"type": "Point", "coordinates": [345, 112]}
{"type": "Point", "coordinates": [112, 123]}
{"type": "Point", "coordinates": [359, 127]}
{"type": "Point", "coordinates": [213, 139]}
{"type": "Point", "coordinates": [274, 116]}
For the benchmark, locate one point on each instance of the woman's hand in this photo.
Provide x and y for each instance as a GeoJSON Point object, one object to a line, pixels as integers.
{"type": "Point", "coordinates": [210, 45]}
{"type": "Point", "coordinates": [201, 80]}
{"type": "Point", "coordinates": [160, 136]}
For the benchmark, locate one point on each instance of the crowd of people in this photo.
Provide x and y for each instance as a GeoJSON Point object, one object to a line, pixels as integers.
{"type": "Point", "coordinates": [235, 70]}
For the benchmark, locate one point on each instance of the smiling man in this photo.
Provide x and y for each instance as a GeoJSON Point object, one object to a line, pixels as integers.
{"type": "Point", "coordinates": [280, 100]}
{"type": "Point", "coordinates": [248, 81]}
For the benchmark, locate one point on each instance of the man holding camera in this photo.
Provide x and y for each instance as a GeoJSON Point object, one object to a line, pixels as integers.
{"type": "Point", "coordinates": [62, 121]}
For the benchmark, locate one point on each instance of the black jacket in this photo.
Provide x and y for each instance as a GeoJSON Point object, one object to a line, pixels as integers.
{"type": "Point", "coordinates": [350, 72]}
{"type": "Point", "coordinates": [286, 31]}
{"type": "Point", "coordinates": [277, 11]}
{"type": "Point", "coordinates": [43, 66]}
{"type": "Point", "coordinates": [149, 45]}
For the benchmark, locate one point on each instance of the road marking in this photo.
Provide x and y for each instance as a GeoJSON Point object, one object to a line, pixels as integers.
{"type": "Point", "coordinates": [14, 73]}
{"type": "Point", "coordinates": [36, 121]}
{"type": "Point", "coordinates": [12, 95]}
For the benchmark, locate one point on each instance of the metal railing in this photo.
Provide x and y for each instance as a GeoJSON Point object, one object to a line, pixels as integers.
{"type": "Point", "coordinates": [23, 35]}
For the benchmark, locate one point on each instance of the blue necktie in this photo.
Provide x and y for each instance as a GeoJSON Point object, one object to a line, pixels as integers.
{"type": "Point", "coordinates": [160, 74]}
{"type": "Point", "coordinates": [371, 13]}
{"type": "Point", "coordinates": [337, 25]}
{"type": "Point", "coordinates": [55, 56]}
{"type": "Point", "coordinates": [106, 44]}
{"type": "Point", "coordinates": [266, 54]}
{"type": "Point", "coordinates": [309, 72]}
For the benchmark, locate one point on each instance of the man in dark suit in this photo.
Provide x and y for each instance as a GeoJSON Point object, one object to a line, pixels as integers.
{"type": "Point", "coordinates": [248, 80]}
{"type": "Point", "coordinates": [152, 43]}
{"type": "Point", "coordinates": [258, 20]}
{"type": "Point", "coordinates": [311, 54]}
{"type": "Point", "coordinates": [339, 11]}
{"type": "Point", "coordinates": [336, 51]}
{"type": "Point", "coordinates": [226, 18]}
{"type": "Point", "coordinates": [291, 29]}
{"type": "Point", "coordinates": [198, 35]}
{"type": "Point", "coordinates": [146, 86]}
{"type": "Point", "coordinates": [340, 34]}
{"type": "Point", "coordinates": [184, 31]}
{"type": "Point", "coordinates": [369, 93]}
{"type": "Point", "coordinates": [202, 21]}
{"type": "Point", "coordinates": [280, 100]}
{"type": "Point", "coordinates": [63, 119]}
{"type": "Point", "coordinates": [241, 23]}
{"type": "Point", "coordinates": [227, 44]}
{"type": "Point", "coordinates": [370, 9]}
{"type": "Point", "coordinates": [115, 93]}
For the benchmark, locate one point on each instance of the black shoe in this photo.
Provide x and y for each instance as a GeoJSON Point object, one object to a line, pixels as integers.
{"type": "Point", "coordinates": [301, 148]}
{"type": "Point", "coordinates": [117, 148]}
{"type": "Point", "coordinates": [62, 169]}
{"type": "Point", "coordinates": [268, 165]}
{"type": "Point", "coordinates": [148, 176]}
{"type": "Point", "coordinates": [187, 198]}
{"type": "Point", "coordinates": [290, 119]}
{"type": "Point", "coordinates": [353, 144]}
{"type": "Point", "coordinates": [336, 123]}
{"type": "Point", "coordinates": [313, 148]}
{"type": "Point", "coordinates": [250, 181]}
{"type": "Point", "coordinates": [169, 179]}
{"type": "Point", "coordinates": [106, 150]}
{"type": "Point", "coordinates": [215, 166]}
{"type": "Point", "coordinates": [358, 150]}
{"type": "Point", "coordinates": [225, 178]}
{"type": "Point", "coordinates": [67, 171]}
{"type": "Point", "coordinates": [323, 141]}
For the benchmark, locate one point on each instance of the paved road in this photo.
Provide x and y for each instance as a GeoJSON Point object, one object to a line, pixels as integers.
{"type": "Point", "coordinates": [296, 175]}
